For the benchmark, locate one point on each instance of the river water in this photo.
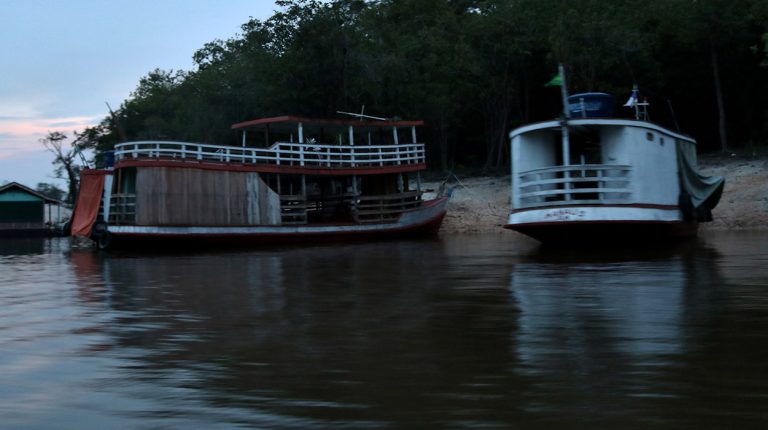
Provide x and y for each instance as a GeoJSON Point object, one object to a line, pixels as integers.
{"type": "Point", "coordinates": [460, 332]}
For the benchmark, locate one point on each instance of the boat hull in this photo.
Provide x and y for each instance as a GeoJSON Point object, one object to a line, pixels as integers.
{"type": "Point", "coordinates": [424, 221]}
{"type": "Point", "coordinates": [583, 225]}
{"type": "Point", "coordinates": [600, 232]}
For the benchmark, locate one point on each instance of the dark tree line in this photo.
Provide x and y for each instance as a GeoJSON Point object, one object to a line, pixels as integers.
{"type": "Point", "coordinates": [472, 69]}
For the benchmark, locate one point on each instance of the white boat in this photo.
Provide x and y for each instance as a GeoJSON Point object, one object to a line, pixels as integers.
{"type": "Point", "coordinates": [288, 178]}
{"type": "Point", "coordinates": [593, 177]}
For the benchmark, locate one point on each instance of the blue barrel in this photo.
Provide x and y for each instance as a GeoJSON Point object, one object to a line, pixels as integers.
{"type": "Point", "coordinates": [592, 105]}
{"type": "Point", "coordinates": [109, 158]}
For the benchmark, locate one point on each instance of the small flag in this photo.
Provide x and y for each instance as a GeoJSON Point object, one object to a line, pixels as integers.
{"type": "Point", "coordinates": [632, 99]}
{"type": "Point", "coordinates": [557, 81]}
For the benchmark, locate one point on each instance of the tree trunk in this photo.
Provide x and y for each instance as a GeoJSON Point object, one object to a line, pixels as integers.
{"type": "Point", "coordinates": [498, 133]}
{"type": "Point", "coordinates": [719, 97]}
{"type": "Point", "coordinates": [491, 132]}
{"type": "Point", "coordinates": [443, 146]}
{"type": "Point", "coordinates": [498, 111]}
{"type": "Point", "coordinates": [502, 146]}
{"type": "Point", "coordinates": [72, 183]}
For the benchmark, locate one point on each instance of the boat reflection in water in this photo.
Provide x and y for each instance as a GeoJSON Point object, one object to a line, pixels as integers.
{"type": "Point", "coordinates": [460, 332]}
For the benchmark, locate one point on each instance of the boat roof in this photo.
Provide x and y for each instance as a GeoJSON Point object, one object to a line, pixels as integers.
{"type": "Point", "coordinates": [591, 94]}
{"type": "Point", "coordinates": [556, 124]}
{"type": "Point", "coordinates": [291, 120]}
{"type": "Point", "coordinates": [28, 190]}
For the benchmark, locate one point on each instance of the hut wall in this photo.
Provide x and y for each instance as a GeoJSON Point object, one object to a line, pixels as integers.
{"type": "Point", "coordinates": [179, 196]}
{"type": "Point", "coordinates": [20, 210]}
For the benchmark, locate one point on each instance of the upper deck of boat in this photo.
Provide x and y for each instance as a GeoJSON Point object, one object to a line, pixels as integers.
{"type": "Point", "coordinates": [292, 144]}
{"type": "Point", "coordinates": [597, 122]}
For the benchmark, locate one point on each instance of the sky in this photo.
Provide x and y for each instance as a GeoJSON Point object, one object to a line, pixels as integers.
{"type": "Point", "coordinates": [62, 61]}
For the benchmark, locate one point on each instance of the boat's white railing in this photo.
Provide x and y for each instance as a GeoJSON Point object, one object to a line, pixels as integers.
{"type": "Point", "coordinates": [585, 183]}
{"type": "Point", "coordinates": [279, 154]}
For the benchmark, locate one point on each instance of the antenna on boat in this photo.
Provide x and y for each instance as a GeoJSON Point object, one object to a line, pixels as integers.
{"type": "Point", "coordinates": [674, 117]}
{"type": "Point", "coordinates": [361, 115]}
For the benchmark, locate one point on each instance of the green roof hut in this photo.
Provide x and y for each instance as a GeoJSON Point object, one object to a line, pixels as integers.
{"type": "Point", "coordinates": [26, 212]}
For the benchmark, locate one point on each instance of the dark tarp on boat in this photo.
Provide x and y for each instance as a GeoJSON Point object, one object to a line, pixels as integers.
{"type": "Point", "coordinates": [700, 194]}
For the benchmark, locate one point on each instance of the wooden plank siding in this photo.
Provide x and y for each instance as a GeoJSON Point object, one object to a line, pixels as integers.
{"type": "Point", "coordinates": [196, 197]}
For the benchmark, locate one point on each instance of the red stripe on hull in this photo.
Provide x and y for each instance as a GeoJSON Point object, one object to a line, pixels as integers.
{"type": "Point", "coordinates": [298, 170]}
{"type": "Point", "coordinates": [597, 205]}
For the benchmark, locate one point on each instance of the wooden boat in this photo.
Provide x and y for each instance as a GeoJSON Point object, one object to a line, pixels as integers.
{"type": "Point", "coordinates": [289, 179]}
{"type": "Point", "coordinates": [591, 177]}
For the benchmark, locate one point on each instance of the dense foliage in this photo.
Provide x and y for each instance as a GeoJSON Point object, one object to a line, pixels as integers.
{"type": "Point", "coordinates": [472, 69]}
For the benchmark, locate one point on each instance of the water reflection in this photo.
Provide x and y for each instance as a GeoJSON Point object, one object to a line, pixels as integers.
{"type": "Point", "coordinates": [308, 336]}
{"type": "Point", "coordinates": [460, 332]}
{"type": "Point", "coordinates": [18, 246]}
{"type": "Point", "coordinates": [630, 303]}
{"type": "Point", "coordinates": [595, 332]}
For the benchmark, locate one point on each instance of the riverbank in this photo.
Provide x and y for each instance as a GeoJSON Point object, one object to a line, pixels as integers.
{"type": "Point", "coordinates": [744, 204]}
{"type": "Point", "coordinates": [481, 204]}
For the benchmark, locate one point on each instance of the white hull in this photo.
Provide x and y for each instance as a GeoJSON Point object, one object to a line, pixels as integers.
{"type": "Point", "coordinates": [576, 213]}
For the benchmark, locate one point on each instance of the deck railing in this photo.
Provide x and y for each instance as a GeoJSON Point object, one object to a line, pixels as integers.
{"type": "Point", "coordinates": [585, 183]}
{"type": "Point", "coordinates": [279, 154]}
{"type": "Point", "coordinates": [122, 209]}
{"type": "Point", "coordinates": [296, 209]}
{"type": "Point", "coordinates": [386, 207]}
{"type": "Point", "coordinates": [293, 209]}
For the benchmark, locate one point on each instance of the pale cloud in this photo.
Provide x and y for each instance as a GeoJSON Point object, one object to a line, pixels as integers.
{"type": "Point", "coordinates": [12, 146]}
{"type": "Point", "coordinates": [21, 127]}
{"type": "Point", "coordinates": [26, 105]}
{"type": "Point", "coordinates": [23, 158]}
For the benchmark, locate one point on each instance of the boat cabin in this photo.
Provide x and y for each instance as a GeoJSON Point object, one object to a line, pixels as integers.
{"type": "Point", "coordinates": [589, 173]}
{"type": "Point", "coordinates": [595, 158]}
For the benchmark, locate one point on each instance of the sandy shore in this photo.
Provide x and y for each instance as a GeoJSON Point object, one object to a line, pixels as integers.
{"type": "Point", "coordinates": [481, 204]}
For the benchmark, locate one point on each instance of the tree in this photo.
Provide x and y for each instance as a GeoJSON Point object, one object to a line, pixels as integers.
{"type": "Point", "coordinates": [721, 33]}
{"type": "Point", "coordinates": [65, 159]}
{"type": "Point", "coordinates": [151, 110]}
{"type": "Point", "coordinates": [50, 190]}
{"type": "Point", "coordinates": [505, 36]}
{"type": "Point", "coordinates": [421, 65]}
{"type": "Point", "coordinates": [764, 63]}
{"type": "Point", "coordinates": [472, 69]}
